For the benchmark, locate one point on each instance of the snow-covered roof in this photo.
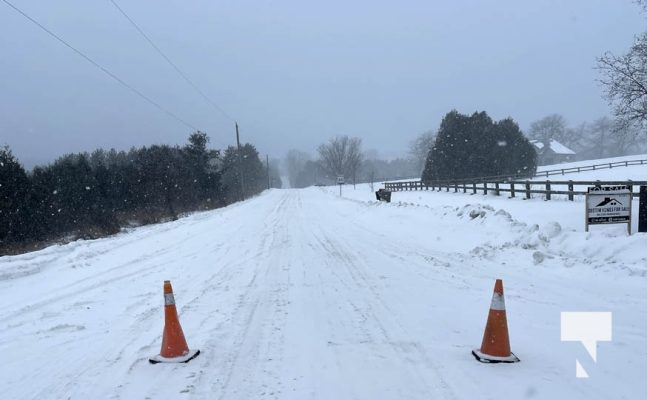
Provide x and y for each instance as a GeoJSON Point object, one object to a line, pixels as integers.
{"type": "Point", "coordinates": [559, 148]}
{"type": "Point", "coordinates": [555, 146]}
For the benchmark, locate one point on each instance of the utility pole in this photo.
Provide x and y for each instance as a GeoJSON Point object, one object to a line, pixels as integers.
{"type": "Point", "coordinates": [240, 165]}
{"type": "Point", "coordinates": [267, 163]}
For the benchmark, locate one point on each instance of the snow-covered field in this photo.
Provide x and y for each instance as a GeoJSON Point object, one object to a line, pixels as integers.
{"type": "Point", "coordinates": [588, 163]}
{"type": "Point", "coordinates": [303, 294]}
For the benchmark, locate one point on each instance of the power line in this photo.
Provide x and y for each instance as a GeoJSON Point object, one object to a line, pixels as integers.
{"type": "Point", "coordinates": [106, 71]}
{"type": "Point", "coordinates": [168, 60]}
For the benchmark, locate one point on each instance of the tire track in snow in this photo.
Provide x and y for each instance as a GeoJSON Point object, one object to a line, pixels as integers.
{"type": "Point", "coordinates": [373, 311]}
{"type": "Point", "coordinates": [260, 337]}
{"type": "Point", "coordinates": [134, 342]}
{"type": "Point", "coordinates": [235, 341]}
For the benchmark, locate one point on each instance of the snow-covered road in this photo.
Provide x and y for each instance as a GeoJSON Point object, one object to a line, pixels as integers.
{"type": "Point", "coordinates": [301, 294]}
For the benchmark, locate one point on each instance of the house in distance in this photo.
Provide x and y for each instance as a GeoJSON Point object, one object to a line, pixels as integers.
{"type": "Point", "coordinates": [552, 152]}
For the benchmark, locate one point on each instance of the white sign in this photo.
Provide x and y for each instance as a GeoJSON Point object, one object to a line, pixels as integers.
{"type": "Point", "coordinates": [608, 205]}
{"type": "Point", "coordinates": [340, 179]}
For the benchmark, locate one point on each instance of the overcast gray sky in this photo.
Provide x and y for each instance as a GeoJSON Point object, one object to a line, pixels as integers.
{"type": "Point", "coordinates": [294, 73]}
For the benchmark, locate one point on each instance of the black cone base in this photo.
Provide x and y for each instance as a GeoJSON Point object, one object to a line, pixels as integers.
{"type": "Point", "coordinates": [184, 359]}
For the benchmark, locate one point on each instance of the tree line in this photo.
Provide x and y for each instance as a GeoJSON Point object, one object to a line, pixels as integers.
{"type": "Point", "coordinates": [474, 146]}
{"type": "Point", "coordinates": [602, 138]}
{"type": "Point", "coordinates": [92, 195]}
{"type": "Point", "coordinates": [464, 146]}
{"type": "Point", "coordinates": [343, 156]}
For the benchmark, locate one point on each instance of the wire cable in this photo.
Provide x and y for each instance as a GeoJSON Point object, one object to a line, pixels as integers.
{"type": "Point", "coordinates": [106, 71]}
{"type": "Point", "coordinates": [171, 63]}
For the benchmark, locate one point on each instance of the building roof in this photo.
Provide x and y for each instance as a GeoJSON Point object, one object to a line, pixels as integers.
{"type": "Point", "coordinates": [555, 146]}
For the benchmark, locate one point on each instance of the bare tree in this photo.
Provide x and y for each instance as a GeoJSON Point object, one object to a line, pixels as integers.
{"type": "Point", "coordinates": [604, 138]}
{"type": "Point", "coordinates": [578, 139]}
{"type": "Point", "coordinates": [419, 148]}
{"type": "Point", "coordinates": [625, 83]}
{"type": "Point", "coordinates": [295, 162]}
{"type": "Point", "coordinates": [550, 127]}
{"type": "Point", "coordinates": [341, 156]}
{"type": "Point", "coordinates": [611, 139]}
{"type": "Point", "coordinates": [554, 127]}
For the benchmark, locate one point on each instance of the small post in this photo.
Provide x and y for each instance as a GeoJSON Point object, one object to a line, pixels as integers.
{"type": "Point", "coordinates": [484, 188]}
{"type": "Point", "coordinates": [511, 189]}
{"type": "Point", "coordinates": [267, 163]}
{"type": "Point", "coordinates": [586, 212]}
{"type": "Point", "coordinates": [474, 187]}
{"type": "Point", "coordinates": [548, 190]}
{"type": "Point", "coordinates": [496, 189]}
{"type": "Point", "coordinates": [642, 210]}
{"type": "Point", "coordinates": [527, 190]}
{"type": "Point", "coordinates": [570, 190]}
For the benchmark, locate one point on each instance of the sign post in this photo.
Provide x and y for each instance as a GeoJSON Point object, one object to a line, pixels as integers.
{"type": "Point", "coordinates": [340, 181]}
{"type": "Point", "coordinates": [642, 210]}
{"type": "Point", "coordinates": [608, 205]}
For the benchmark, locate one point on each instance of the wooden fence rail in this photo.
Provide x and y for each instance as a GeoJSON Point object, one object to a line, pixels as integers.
{"type": "Point", "coordinates": [551, 172]}
{"type": "Point", "coordinates": [595, 167]}
{"type": "Point", "coordinates": [524, 187]}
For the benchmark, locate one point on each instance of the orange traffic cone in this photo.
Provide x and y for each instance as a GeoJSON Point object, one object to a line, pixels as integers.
{"type": "Point", "coordinates": [496, 343]}
{"type": "Point", "coordinates": [174, 347]}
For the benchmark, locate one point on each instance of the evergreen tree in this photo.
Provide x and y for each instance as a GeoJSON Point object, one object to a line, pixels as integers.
{"type": "Point", "coordinates": [475, 146]}
{"type": "Point", "coordinates": [515, 154]}
{"type": "Point", "coordinates": [14, 192]}
{"type": "Point", "coordinates": [199, 169]}
{"type": "Point", "coordinates": [94, 194]}
{"type": "Point", "coordinates": [77, 198]}
{"type": "Point", "coordinates": [253, 169]}
{"type": "Point", "coordinates": [249, 165]}
{"type": "Point", "coordinates": [231, 179]}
